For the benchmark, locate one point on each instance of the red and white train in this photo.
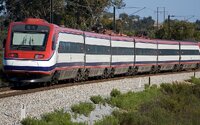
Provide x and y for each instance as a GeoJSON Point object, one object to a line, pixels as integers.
{"type": "Point", "coordinates": [38, 51]}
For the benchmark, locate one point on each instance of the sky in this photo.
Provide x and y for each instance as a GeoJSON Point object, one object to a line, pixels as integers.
{"type": "Point", "coordinates": [181, 9]}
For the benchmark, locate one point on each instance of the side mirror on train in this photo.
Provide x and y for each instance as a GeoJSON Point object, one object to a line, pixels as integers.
{"type": "Point", "coordinates": [4, 43]}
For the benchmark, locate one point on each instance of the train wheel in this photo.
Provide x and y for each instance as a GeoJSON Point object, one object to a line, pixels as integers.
{"type": "Point", "coordinates": [153, 70]}
{"type": "Point", "coordinates": [130, 71]}
{"type": "Point", "coordinates": [135, 71]}
{"type": "Point", "coordinates": [86, 75]}
{"type": "Point", "coordinates": [54, 79]}
{"type": "Point", "coordinates": [78, 77]}
{"type": "Point", "coordinates": [112, 73]}
{"type": "Point", "coordinates": [175, 68]}
{"type": "Point", "coordinates": [180, 68]}
{"type": "Point", "coordinates": [158, 69]}
{"type": "Point", "coordinates": [105, 74]}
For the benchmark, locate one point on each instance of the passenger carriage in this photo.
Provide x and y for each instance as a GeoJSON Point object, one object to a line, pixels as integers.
{"type": "Point", "coordinates": [189, 55]}
{"type": "Point", "coordinates": [145, 55]}
{"type": "Point", "coordinates": [168, 55]}
{"type": "Point", "coordinates": [122, 55]}
{"type": "Point", "coordinates": [37, 51]}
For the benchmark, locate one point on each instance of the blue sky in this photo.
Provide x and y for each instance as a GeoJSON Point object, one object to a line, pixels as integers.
{"type": "Point", "coordinates": [182, 9]}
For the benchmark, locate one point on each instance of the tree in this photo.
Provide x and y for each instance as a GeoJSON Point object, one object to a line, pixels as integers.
{"type": "Point", "coordinates": [80, 14]}
{"type": "Point", "coordinates": [178, 30]}
{"type": "Point", "coordinates": [20, 9]}
{"type": "Point", "coordinates": [85, 13]}
{"type": "Point", "coordinates": [134, 25]}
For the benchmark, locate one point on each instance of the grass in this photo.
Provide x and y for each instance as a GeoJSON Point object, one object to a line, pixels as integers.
{"type": "Point", "coordinates": [171, 104]}
{"type": "Point", "coordinates": [115, 93]}
{"type": "Point", "coordinates": [108, 120]}
{"type": "Point", "coordinates": [84, 108]}
{"type": "Point", "coordinates": [131, 100]}
{"type": "Point", "coordinates": [195, 80]}
{"type": "Point", "coordinates": [54, 118]}
{"type": "Point", "coordinates": [97, 99]}
{"type": "Point", "coordinates": [3, 36]}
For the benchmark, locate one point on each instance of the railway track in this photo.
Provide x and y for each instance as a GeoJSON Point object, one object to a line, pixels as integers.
{"type": "Point", "coordinates": [10, 91]}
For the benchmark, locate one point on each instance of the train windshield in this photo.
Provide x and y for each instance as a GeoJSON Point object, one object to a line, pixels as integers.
{"type": "Point", "coordinates": [29, 39]}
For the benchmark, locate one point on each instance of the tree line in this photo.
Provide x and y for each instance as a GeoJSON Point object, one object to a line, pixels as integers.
{"type": "Point", "coordinates": [93, 15]}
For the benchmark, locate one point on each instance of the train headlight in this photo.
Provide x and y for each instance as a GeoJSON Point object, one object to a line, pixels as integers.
{"type": "Point", "coordinates": [39, 56]}
{"type": "Point", "coordinates": [13, 55]}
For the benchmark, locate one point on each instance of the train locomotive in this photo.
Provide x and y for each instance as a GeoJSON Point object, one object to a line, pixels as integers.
{"type": "Point", "coordinates": [38, 51]}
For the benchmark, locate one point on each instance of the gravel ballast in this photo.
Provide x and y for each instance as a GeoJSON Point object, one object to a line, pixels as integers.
{"type": "Point", "coordinates": [47, 101]}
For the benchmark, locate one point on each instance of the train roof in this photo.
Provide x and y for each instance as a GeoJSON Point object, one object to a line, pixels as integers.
{"type": "Point", "coordinates": [122, 38]}
{"type": "Point", "coordinates": [71, 31]}
{"type": "Point", "coordinates": [32, 21]}
{"type": "Point", "coordinates": [145, 40]}
{"type": "Point", "coordinates": [38, 21]}
{"type": "Point", "coordinates": [97, 35]}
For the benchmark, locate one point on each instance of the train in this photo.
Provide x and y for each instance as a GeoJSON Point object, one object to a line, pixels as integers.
{"type": "Point", "coordinates": [38, 51]}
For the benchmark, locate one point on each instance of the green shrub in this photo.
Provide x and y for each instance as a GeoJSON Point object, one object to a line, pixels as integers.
{"type": "Point", "coordinates": [97, 99]}
{"type": "Point", "coordinates": [33, 121]}
{"type": "Point", "coordinates": [133, 118]}
{"type": "Point", "coordinates": [57, 117]}
{"type": "Point", "coordinates": [146, 86]}
{"type": "Point", "coordinates": [108, 120]}
{"type": "Point", "coordinates": [196, 91]}
{"type": "Point", "coordinates": [84, 108]}
{"type": "Point", "coordinates": [175, 88]}
{"type": "Point", "coordinates": [131, 100]}
{"type": "Point", "coordinates": [115, 93]}
{"type": "Point", "coordinates": [195, 80]}
{"type": "Point", "coordinates": [171, 104]}
{"type": "Point", "coordinates": [154, 86]}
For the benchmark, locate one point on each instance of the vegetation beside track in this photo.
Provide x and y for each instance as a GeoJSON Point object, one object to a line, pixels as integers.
{"type": "Point", "coordinates": [3, 36]}
{"type": "Point", "coordinates": [54, 118]}
{"type": "Point", "coordinates": [84, 108]}
{"type": "Point", "coordinates": [177, 103]}
{"type": "Point", "coordinates": [171, 104]}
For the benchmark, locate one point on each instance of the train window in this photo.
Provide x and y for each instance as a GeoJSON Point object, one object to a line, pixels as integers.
{"type": "Point", "coordinates": [168, 52]}
{"type": "Point", "coordinates": [144, 51]}
{"type": "Point", "coordinates": [122, 51]}
{"type": "Point", "coordinates": [54, 43]}
{"type": "Point", "coordinates": [70, 47]}
{"type": "Point", "coordinates": [189, 52]}
{"type": "Point", "coordinates": [20, 38]}
{"type": "Point", "coordinates": [28, 41]}
{"type": "Point", "coordinates": [94, 49]}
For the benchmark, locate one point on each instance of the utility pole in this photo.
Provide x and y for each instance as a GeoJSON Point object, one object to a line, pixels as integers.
{"type": "Point", "coordinates": [157, 12]}
{"type": "Point", "coordinates": [77, 16]}
{"type": "Point", "coordinates": [157, 16]}
{"type": "Point", "coordinates": [51, 11]}
{"type": "Point", "coordinates": [164, 14]}
{"type": "Point", "coordinates": [114, 21]}
{"type": "Point", "coordinates": [168, 21]}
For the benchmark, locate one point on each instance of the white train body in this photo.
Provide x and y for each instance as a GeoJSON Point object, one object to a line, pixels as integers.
{"type": "Point", "coordinates": [73, 54]}
{"type": "Point", "coordinates": [168, 55]}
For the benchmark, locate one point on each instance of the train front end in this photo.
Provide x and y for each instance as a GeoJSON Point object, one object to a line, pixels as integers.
{"type": "Point", "coordinates": [28, 51]}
